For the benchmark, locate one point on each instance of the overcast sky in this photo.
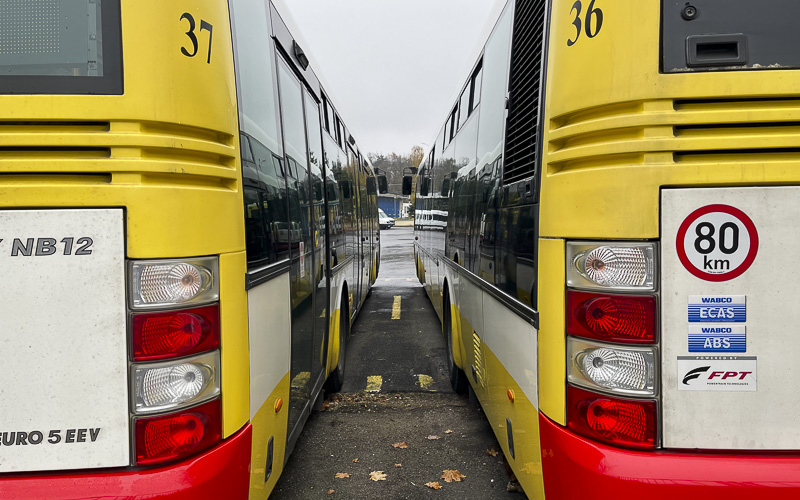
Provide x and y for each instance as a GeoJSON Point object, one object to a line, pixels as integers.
{"type": "Point", "coordinates": [392, 67]}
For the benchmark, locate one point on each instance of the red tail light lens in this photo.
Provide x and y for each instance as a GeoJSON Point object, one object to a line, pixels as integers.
{"type": "Point", "coordinates": [621, 422]}
{"type": "Point", "coordinates": [175, 333]}
{"type": "Point", "coordinates": [621, 318]}
{"type": "Point", "coordinates": [171, 437]}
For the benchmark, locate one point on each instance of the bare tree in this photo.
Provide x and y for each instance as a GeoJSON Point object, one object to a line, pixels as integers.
{"type": "Point", "coordinates": [417, 155]}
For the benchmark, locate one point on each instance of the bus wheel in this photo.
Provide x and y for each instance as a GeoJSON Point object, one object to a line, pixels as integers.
{"type": "Point", "coordinates": [336, 378]}
{"type": "Point", "coordinates": [457, 377]}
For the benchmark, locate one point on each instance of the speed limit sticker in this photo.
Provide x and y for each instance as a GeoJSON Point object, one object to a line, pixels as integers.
{"type": "Point", "coordinates": [717, 242]}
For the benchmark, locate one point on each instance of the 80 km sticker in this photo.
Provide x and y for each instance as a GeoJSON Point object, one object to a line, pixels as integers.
{"type": "Point", "coordinates": [717, 242]}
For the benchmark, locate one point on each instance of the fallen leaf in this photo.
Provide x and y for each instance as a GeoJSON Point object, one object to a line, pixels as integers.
{"type": "Point", "coordinates": [452, 475]}
{"type": "Point", "coordinates": [432, 437]}
{"type": "Point", "coordinates": [448, 431]}
{"type": "Point", "coordinates": [377, 475]}
{"type": "Point", "coordinates": [325, 406]}
{"type": "Point", "coordinates": [401, 445]}
{"type": "Point", "coordinates": [355, 460]}
{"type": "Point", "coordinates": [435, 485]}
{"type": "Point", "coordinates": [491, 452]}
{"type": "Point", "coordinates": [398, 465]}
{"type": "Point", "coordinates": [342, 475]}
{"type": "Point", "coordinates": [331, 492]}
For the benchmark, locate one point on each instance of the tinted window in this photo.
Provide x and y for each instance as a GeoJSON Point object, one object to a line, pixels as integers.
{"type": "Point", "coordinates": [477, 80]}
{"type": "Point", "coordinates": [463, 107]}
{"type": "Point", "coordinates": [265, 213]}
{"type": "Point", "coordinates": [258, 103]}
{"type": "Point", "coordinates": [60, 47]}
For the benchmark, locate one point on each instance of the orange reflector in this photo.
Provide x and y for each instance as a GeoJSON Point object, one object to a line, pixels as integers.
{"type": "Point", "coordinates": [510, 394]}
{"type": "Point", "coordinates": [278, 405]}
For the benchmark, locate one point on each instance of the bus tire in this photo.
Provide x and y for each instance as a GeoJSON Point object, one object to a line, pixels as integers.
{"type": "Point", "coordinates": [458, 379]}
{"type": "Point", "coordinates": [336, 378]}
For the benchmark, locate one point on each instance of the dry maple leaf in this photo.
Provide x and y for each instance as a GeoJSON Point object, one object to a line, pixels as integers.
{"type": "Point", "coordinates": [491, 452]}
{"type": "Point", "coordinates": [452, 475]}
{"type": "Point", "coordinates": [448, 431]}
{"type": "Point", "coordinates": [377, 475]}
{"type": "Point", "coordinates": [432, 437]}
{"type": "Point", "coordinates": [435, 485]}
{"type": "Point", "coordinates": [355, 460]}
{"type": "Point", "coordinates": [398, 465]}
{"type": "Point", "coordinates": [325, 406]}
{"type": "Point", "coordinates": [331, 492]}
{"type": "Point", "coordinates": [342, 475]}
{"type": "Point", "coordinates": [401, 445]}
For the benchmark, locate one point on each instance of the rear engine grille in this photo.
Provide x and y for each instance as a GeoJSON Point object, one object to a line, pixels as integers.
{"type": "Point", "coordinates": [525, 82]}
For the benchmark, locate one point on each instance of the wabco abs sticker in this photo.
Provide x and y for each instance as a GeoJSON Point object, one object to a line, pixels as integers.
{"type": "Point", "coordinates": [717, 242]}
{"type": "Point", "coordinates": [717, 373]}
{"type": "Point", "coordinates": [717, 309]}
{"type": "Point", "coordinates": [717, 338]}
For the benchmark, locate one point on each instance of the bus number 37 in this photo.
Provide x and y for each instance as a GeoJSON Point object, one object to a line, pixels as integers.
{"type": "Point", "coordinates": [592, 24]}
{"type": "Point", "coordinates": [193, 37]}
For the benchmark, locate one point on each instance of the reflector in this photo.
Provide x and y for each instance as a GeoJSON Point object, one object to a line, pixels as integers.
{"type": "Point", "coordinates": [171, 437]}
{"type": "Point", "coordinates": [175, 333]}
{"type": "Point", "coordinates": [620, 318]}
{"type": "Point", "coordinates": [621, 422]}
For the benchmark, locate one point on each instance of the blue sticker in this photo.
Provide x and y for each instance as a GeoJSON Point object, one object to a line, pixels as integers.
{"type": "Point", "coordinates": [716, 338]}
{"type": "Point", "coordinates": [717, 309]}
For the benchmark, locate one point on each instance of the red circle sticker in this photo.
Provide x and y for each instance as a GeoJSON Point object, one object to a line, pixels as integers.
{"type": "Point", "coordinates": [717, 242]}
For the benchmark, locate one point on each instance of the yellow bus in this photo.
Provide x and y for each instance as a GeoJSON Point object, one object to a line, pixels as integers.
{"type": "Point", "coordinates": [603, 225]}
{"type": "Point", "coordinates": [188, 231]}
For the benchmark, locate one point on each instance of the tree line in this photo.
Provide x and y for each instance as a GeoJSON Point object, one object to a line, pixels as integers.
{"type": "Point", "coordinates": [394, 164]}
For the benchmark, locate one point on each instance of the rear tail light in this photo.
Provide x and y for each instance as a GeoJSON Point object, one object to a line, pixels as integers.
{"type": "Point", "coordinates": [620, 318]}
{"type": "Point", "coordinates": [175, 384]}
{"type": "Point", "coordinates": [626, 370]}
{"type": "Point", "coordinates": [175, 436]}
{"type": "Point", "coordinates": [621, 266]}
{"type": "Point", "coordinates": [175, 333]}
{"type": "Point", "coordinates": [621, 422]}
{"type": "Point", "coordinates": [164, 283]}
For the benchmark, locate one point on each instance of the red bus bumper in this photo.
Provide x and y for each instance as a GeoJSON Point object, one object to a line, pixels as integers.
{"type": "Point", "coordinates": [575, 467]}
{"type": "Point", "coordinates": [222, 472]}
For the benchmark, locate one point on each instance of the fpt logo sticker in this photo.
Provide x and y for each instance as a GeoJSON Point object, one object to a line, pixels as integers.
{"type": "Point", "coordinates": [717, 242]}
{"type": "Point", "coordinates": [718, 373]}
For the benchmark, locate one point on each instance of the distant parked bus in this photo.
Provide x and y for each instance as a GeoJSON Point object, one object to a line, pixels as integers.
{"type": "Point", "coordinates": [187, 231]}
{"type": "Point", "coordinates": [605, 225]}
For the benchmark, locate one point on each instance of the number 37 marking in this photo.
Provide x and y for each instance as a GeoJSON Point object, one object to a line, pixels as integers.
{"type": "Point", "coordinates": [193, 38]}
{"type": "Point", "coordinates": [592, 25]}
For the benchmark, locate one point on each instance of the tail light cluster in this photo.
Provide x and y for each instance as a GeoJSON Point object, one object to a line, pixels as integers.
{"type": "Point", "coordinates": [174, 381]}
{"type": "Point", "coordinates": [612, 335]}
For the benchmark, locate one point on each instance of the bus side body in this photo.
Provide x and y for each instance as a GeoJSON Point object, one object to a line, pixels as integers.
{"type": "Point", "coordinates": [209, 161]}
{"type": "Point", "coordinates": [636, 153]}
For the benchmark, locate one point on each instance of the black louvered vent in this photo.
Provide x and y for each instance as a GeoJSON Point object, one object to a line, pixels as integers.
{"type": "Point", "coordinates": [526, 72]}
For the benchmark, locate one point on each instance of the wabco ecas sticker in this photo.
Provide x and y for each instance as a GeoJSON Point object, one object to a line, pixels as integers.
{"type": "Point", "coordinates": [717, 242]}
{"type": "Point", "coordinates": [717, 309]}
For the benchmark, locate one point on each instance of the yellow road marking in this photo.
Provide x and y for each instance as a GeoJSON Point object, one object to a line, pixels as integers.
{"type": "Point", "coordinates": [374, 383]}
{"type": "Point", "coordinates": [424, 381]}
{"type": "Point", "coordinates": [396, 307]}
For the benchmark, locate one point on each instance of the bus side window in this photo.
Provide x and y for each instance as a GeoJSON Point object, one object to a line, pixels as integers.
{"type": "Point", "coordinates": [264, 203]}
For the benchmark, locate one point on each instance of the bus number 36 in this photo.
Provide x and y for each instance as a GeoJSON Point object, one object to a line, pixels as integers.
{"type": "Point", "coordinates": [193, 38]}
{"type": "Point", "coordinates": [592, 24]}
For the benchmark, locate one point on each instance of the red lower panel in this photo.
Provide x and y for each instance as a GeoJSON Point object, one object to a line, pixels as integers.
{"type": "Point", "coordinates": [577, 468]}
{"type": "Point", "coordinates": [222, 472]}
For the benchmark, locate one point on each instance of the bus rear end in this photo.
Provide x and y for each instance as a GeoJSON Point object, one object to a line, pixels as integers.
{"type": "Point", "coordinates": [668, 213]}
{"type": "Point", "coordinates": [123, 315]}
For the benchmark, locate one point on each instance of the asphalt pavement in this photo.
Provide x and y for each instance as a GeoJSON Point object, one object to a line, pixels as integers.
{"type": "Point", "coordinates": [396, 426]}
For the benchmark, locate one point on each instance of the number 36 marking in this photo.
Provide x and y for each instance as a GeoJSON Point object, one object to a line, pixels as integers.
{"type": "Point", "coordinates": [193, 38]}
{"type": "Point", "coordinates": [593, 17]}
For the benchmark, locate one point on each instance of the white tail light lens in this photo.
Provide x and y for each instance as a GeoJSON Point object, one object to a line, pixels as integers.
{"type": "Point", "coordinates": [175, 384]}
{"type": "Point", "coordinates": [164, 283]}
{"type": "Point", "coordinates": [618, 266]}
{"type": "Point", "coordinates": [628, 370]}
